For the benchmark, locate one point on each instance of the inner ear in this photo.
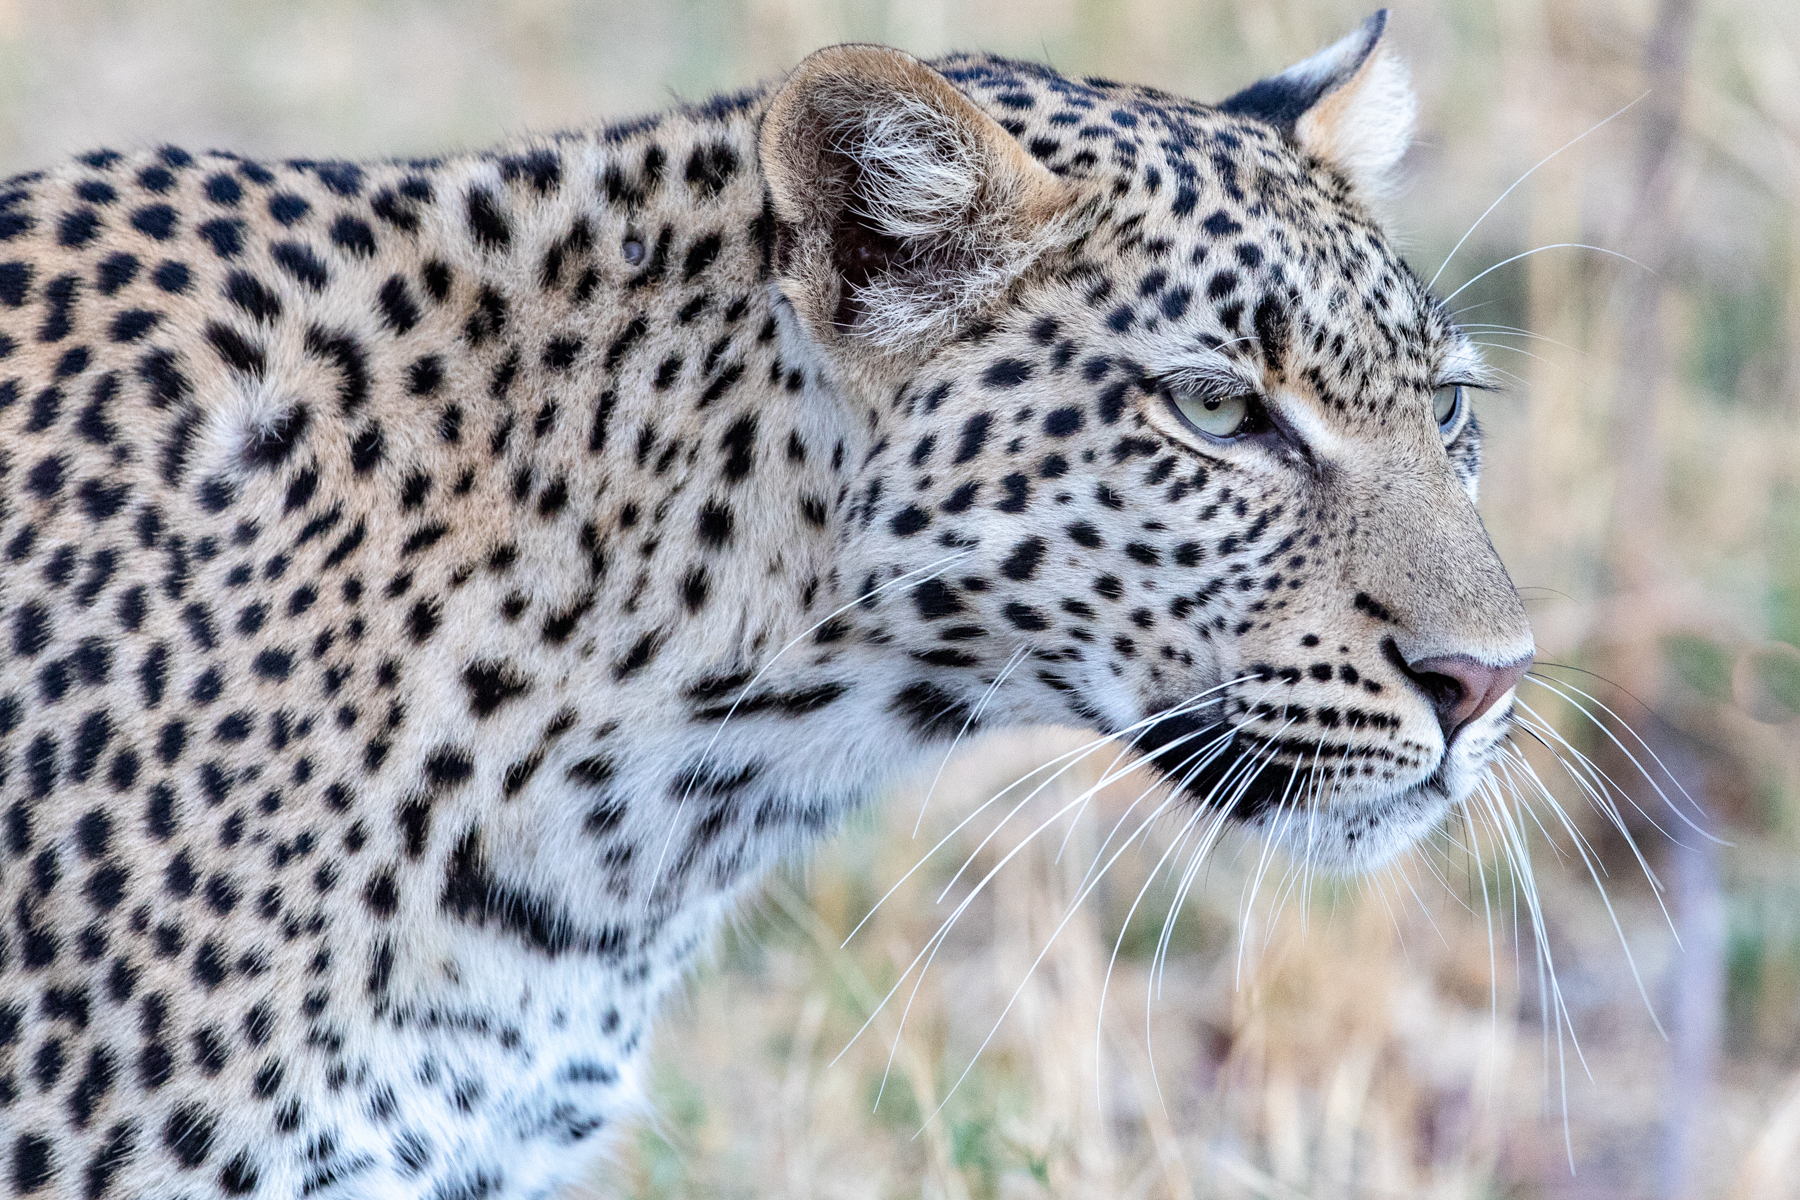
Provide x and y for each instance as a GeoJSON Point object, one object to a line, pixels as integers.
{"type": "Point", "coordinates": [860, 250]}
{"type": "Point", "coordinates": [902, 208]}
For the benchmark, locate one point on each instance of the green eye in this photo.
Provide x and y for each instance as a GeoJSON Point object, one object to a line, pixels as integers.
{"type": "Point", "coordinates": [1447, 407]}
{"type": "Point", "coordinates": [1216, 416]}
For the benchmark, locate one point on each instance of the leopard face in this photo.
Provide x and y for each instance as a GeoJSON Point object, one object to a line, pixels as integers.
{"type": "Point", "coordinates": [1205, 480]}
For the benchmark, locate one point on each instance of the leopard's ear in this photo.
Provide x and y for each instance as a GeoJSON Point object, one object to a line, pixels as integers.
{"type": "Point", "coordinates": [1350, 104]}
{"type": "Point", "coordinates": [902, 210]}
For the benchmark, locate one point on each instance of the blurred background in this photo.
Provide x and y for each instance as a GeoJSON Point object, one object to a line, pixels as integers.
{"type": "Point", "coordinates": [1263, 1035]}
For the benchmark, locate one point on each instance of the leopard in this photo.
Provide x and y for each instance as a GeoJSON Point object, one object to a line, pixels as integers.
{"type": "Point", "coordinates": [436, 591]}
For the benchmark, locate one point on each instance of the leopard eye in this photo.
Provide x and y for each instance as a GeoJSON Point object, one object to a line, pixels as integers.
{"type": "Point", "coordinates": [1447, 406]}
{"type": "Point", "coordinates": [1216, 416]}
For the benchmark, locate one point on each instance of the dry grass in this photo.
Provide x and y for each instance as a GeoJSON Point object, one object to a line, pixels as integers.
{"type": "Point", "coordinates": [1368, 1038]}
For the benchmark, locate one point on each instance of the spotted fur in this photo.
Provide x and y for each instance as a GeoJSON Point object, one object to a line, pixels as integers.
{"type": "Point", "coordinates": [431, 592]}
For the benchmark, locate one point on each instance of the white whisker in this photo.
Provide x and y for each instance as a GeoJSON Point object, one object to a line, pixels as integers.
{"type": "Point", "coordinates": [1509, 191]}
{"type": "Point", "coordinates": [1539, 250]}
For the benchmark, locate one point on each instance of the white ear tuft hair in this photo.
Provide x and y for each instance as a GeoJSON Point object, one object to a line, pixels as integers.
{"type": "Point", "coordinates": [1351, 104]}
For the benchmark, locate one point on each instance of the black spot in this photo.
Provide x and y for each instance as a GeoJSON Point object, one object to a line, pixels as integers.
{"type": "Point", "coordinates": [45, 479]}
{"type": "Point", "coordinates": [694, 589]}
{"type": "Point", "coordinates": [491, 683]}
{"type": "Point", "coordinates": [739, 443]}
{"type": "Point", "coordinates": [487, 223]}
{"type": "Point", "coordinates": [560, 353]}
{"type": "Point", "coordinates": [209, 965]}
{"type": "Point", "coordinates": [700, 256]}
{"type": "Point", "coordinates": [626, 338]}
{"type": "Point", "coordinates": [425, 375]}
{"type": "Point", "coordinates": [1022, 563]}
{"type": "Point", "coordinates": [269, 446]}
{"type": "Point", "coordinates": [15, 279]}
{"type": "Point", "coordinates": [273, 664]}
{"type": "Point", "coordinates": [287, 208]}
{"type": "Point", "coordinates": [60, 294]}
{"type": "Point", "coordinates": [488, 319]}
{"type": "Point", "coordinates": [541, 168]}
{"type": "Point", "coordinates": [73, 362]}
{"type": "Point", "coordinates": [114, 272]}
{"type": "Point", "coordinates": [252, 296]}
{"type": "Point", "coordinates": [398, 310]}
{"type": "Point", "coordinates": [436, 275]}
{"type": "Point", "coordinates": [223, 190]}
{"type": "Point", "coordinates": [354, 235]}
{"type": "Point", "coordinates": [108, 1159]}
{"type": "Point", "coordinates": [1221, 224]}
{"type": "Point", "coordinates": [32, 1164]}
{"type": "Point", "coordinates": [238, 351]}
{"type": "Point", "coordinates": [224, 235]}
{"type": "Point", "coordinates": [368, 450]}
{"type": "Point", "coordinates": [639, 656]}
{"type": "Point", "coordinates": [1007, 373]}
{"type": "Point", "coordinates": [188, 1134]}
{"type": "Point", "coordinates": [449, 765]}
{"type": "Point", "coordinates": [909, 520]}
{"type": "Point", "coordinates": [473, 894]}
{"type": "Point", "coordinates": [1023, 616]}
{"type": "Point", "coordinates": [298, 260]}
{"type": "Point", "coordinates": [45, 408]}
{"type": "Point", "coordinates": [239, 1178]}
{"type": "Point", "coordinates": [787, 704]}
{"type": "Point", "coordinates": [1150, 556]}
{"type": "Point", "coordinates": [974, 435]}
{"type": "Point", "coordinates": [78, 228]}
{"type": "Point", "coordinates": [715, 524]}
{"type": "Point", "coordinates": [343, 178]}
{"type": "Point", "coordinates": [592, 772]}
{"type": "Point", "coordinates": [710, 168]}
{"type": "Point", "coordinates": [423, 620]}
{"type": "Point", "coordinates": [132, 324]}
{"type": "Point", "coordinates": [346, 353]}
{"type": "Point", "coordinates": [1271, 322]}
{"type": "Point", "coordinates": [934, 600]}
{"type": "Point", "coordinates": [932, 711]}
{"type": "Point", "coordinates": [382, 895]}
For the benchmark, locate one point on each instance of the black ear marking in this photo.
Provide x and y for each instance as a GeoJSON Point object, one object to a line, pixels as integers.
{"type": "Point", "coordinates": [1281, 100]}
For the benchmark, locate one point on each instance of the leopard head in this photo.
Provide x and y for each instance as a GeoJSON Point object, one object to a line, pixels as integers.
{"type": "Point", "coordinates": [1164, 438]}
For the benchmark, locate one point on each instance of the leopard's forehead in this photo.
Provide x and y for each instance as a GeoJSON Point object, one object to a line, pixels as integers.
{"type": "Point", "coordinates": [1211, 231]}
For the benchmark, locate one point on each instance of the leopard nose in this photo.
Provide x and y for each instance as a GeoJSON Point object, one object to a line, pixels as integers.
{"type": "Point", "coordinates": [1460, 687]}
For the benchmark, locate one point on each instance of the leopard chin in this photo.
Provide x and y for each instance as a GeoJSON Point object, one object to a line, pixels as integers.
{"type": "Point", "coordinates": [1360, 836]}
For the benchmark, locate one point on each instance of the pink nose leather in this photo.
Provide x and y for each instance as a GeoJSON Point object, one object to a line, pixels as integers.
{"type": "Point", "coordinates": [1462, 688]}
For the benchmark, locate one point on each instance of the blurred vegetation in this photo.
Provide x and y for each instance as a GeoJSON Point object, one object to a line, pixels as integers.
{"type": "Point", "coordinates": [1374, 1038]}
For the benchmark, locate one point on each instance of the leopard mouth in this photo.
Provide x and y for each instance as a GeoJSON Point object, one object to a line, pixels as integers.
{"type": "Point", "coordinates": [1270, 785]}
{"type": "Point", "coordinates": [1218, 765]}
